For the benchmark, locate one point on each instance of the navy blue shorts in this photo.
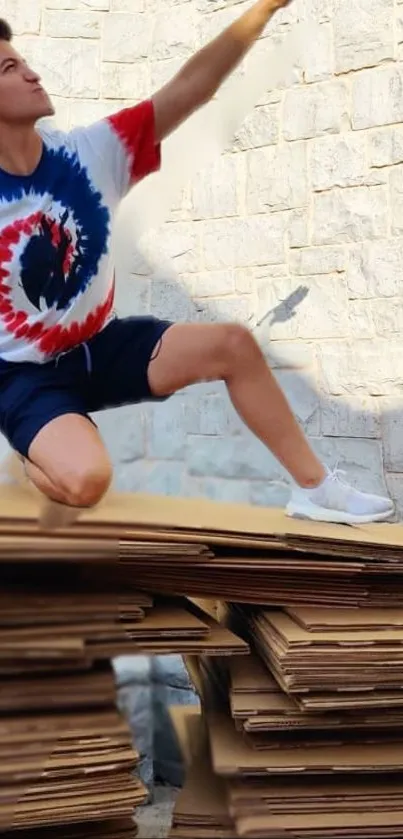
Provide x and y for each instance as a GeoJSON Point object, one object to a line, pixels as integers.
{"type": "Point", "coordinates": [108, 371]}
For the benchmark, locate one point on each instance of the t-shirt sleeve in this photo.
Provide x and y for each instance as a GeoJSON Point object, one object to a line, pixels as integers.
{"type": "Point", "coordinates": [125, 143]}
{"type": "Point", "coordinates": [135, 128]}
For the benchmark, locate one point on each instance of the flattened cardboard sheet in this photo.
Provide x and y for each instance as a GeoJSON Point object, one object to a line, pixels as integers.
{"type": "Point", "coordinates": [189, 729]}
{"type": "Point", "coordinates": [168, 628]}
{"type": "Point", "coordinates": [21, 667]}
{"type": "Point", "coordinates": [38, 730]}
{"type": "Point", "coordinates": [314, 795]}
{"type": "Point", "coordinates": [204, 833]}
{"type": "Point", "coordinates": [303, 661]}
{"type": "Point", "coordinates": [21, 548]}
{"type": "Point", "coordinates": [201, 804]}
{"type": "Point", "coordinates": [330, 736]}
{"type": "Point", "coordinates": [336, 620]}
{"type": "Point", "coordinates": [203, 798]}
{"type": "Point", "coordinates": [292, 634]}
{"type": "Point", "coordinates": [239, 584]}
{"type": "Point", "coordinates": [58, 691]}
{"type": "Point", "coordinates": [168, 620]}
{"type": "Point", "coordinates": [251, 676]}
{"type": "Point", "coordinates": [107, 829]}
{"type": "Point", "coordinates": [130, 511]}
{"type": "Point", "coordinates": [201, 514]}
{"type": "Point", "coordinates": [232, 755]}
{"type": "Point", "coordinates": [376, 699]}
{"type": "Point", "coordinates": [325, 825]}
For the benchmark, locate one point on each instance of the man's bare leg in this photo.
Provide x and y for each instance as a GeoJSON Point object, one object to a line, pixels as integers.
{"type": "Point", "coordinates": [191, 353]}
{"type": "Point", "coordinates": [53, 514]}
{"type": "Point", "coordinates": [69, 465]}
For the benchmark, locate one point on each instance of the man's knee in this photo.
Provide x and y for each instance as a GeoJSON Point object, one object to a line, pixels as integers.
{"type": "Point", "coordinates": [85, 486]}
{"type": "Point", "coordinates": [236, 347]}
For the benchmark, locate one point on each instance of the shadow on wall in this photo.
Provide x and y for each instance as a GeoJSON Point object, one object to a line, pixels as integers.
{"type": "Point", "coordinates": [286, 310]}
{"type": "Point", "coordinates": [194, 444]}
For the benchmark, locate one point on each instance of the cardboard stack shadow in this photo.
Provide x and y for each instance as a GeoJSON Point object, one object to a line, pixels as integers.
{"type": "Point", "coordinates": [296, 739]}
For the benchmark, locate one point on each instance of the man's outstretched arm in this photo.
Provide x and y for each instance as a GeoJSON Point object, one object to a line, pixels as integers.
{"type": "Point", "coordinates": [201, 76]}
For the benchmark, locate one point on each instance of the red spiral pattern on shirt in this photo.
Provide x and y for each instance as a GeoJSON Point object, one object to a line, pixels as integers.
{"type": "Point", "coordinates": [50, 340]}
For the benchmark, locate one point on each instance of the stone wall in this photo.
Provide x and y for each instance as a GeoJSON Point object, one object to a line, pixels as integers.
{"type": "Point", "coordinates": [297, 231]}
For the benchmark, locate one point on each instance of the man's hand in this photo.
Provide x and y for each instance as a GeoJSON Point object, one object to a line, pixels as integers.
{"type": "Point", "coordinates": [279, 4]}
{"type": "Point", "coordinates": [199, 79]}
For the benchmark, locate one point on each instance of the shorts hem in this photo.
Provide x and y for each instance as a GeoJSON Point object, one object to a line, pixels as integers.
{"type": "Point", "coordinates": [163, 325]}
{"type": "Point", "coordinates": [21, 443]}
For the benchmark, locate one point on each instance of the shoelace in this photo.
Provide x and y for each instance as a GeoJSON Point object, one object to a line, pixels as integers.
{"type": "Point", "coordinates": [336, 476]}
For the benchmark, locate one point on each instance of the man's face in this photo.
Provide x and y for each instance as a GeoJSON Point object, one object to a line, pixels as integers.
{"type": "Point", "coordinates": [22, 98]}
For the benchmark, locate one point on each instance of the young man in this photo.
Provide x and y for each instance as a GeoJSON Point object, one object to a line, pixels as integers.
{"type": "Point", "coordinates": [63, 355]}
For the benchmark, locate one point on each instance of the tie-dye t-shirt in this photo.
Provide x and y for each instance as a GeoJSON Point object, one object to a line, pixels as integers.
{"type": "Point", "coordinates": [56, 276]}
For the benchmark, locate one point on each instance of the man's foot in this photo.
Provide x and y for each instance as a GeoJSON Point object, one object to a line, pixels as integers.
{"type": "Point", "coordinates": [336, 501]}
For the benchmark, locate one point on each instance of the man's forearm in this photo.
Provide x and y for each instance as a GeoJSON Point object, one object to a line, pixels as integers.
{"type": "Point", "coordinates": [211, 65]}
{"type": "Point", "coordinates": [202, 75]}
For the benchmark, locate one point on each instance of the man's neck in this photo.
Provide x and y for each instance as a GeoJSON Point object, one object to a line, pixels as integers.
{"type": "Point", "coordinates": [20, 149]}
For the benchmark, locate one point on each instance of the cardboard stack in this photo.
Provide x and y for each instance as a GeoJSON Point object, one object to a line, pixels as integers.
{"type": "Point", "coordinates": [210, 550]}
{"type": "Point", "coordinates": [350, 653]}
{"type": "Point", "coordinates": [303, 738]}
{"type": "Point", "coordinates": [68, 604]}
{"type": "Point", "coordinates": [260, 556]}
{"type": "Point", "coordinates": [296, 739]}
{"type": "Point", "coordinates": [268, 769]}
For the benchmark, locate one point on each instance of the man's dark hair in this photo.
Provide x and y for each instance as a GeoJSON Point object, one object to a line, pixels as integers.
{"type": "Point", "coordinates": [6, 33]}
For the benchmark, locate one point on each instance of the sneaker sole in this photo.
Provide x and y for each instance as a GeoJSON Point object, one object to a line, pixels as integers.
{"type": "Point", "coordinates": [314, 513]}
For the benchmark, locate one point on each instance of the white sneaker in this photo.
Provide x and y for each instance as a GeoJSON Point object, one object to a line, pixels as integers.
{"type": "Point", "coordinates": [336, 501]}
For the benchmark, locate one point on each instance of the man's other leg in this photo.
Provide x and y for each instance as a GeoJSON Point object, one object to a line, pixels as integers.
{"type": "Point", "coordinates": [191, 353]}
{"type": "Point", "coordinates": [68, 463]}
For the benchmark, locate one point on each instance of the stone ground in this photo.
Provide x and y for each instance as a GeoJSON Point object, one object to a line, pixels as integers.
{"type": "Point", "coordinates": [155, 820]}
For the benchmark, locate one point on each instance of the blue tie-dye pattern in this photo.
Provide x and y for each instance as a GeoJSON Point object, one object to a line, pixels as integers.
{"type": "Point", "coordinates": [61, 176]}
